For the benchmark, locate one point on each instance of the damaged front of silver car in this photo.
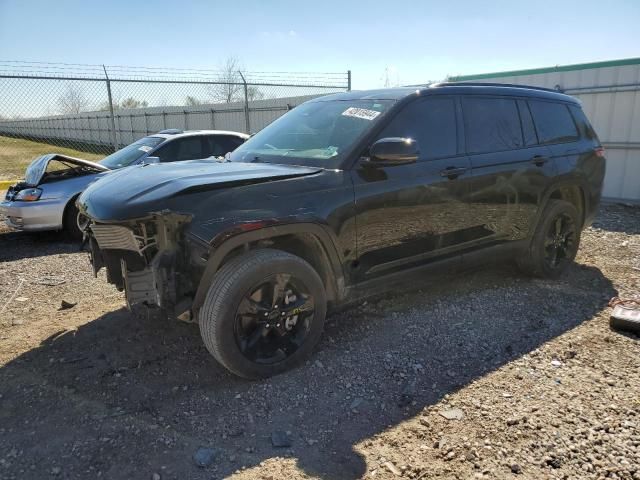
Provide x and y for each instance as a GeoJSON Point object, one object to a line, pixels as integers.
{"type": "Point", "coordinates": [44, 200]}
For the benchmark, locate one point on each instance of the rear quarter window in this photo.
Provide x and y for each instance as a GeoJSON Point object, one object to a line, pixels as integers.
{"type": "Point", "coordinates": [585, 128]}
{"type": "Point", "coordinates": [553, 122]}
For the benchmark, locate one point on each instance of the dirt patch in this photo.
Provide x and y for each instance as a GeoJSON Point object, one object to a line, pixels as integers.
{"type": "Point", "coordinates": [488, 374]}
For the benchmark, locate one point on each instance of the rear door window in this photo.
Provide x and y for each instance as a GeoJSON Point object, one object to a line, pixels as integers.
{"type": "Point", "coordinates": [491, 124]}
{"type": "Point", "coordinates": [186, 148]}
{"type": "Point", "coordinates": [553, 121]}
{"type": "Point", "coordinates": [220, 145]}
{"type": "Point", "coordinates": [432, 122]}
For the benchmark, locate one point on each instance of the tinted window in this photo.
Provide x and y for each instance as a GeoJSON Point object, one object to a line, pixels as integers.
{"type": "Point", "coordinates": [491, 124]}
{"type": "Point", "coordinates": [318, 132]}
{"type": "Point", "coordinates": [528, 130]}
{"type": "Point", "coordinates": [187, 148]}
{"type": "Point", "coordinates": [220, 145]}
{"type": "Point", "coordinates": [432, 122]}
{"type": "Point", "coordinates": [553, 122]}
{"type": "Point", "coordinates": [586, 130]}
{"type": "Point", "coordinates": [131, 153]}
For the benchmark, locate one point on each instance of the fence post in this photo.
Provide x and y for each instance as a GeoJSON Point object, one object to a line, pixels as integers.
{"type": "Point", "coordinates": [349, 80]}
{"type": "Point", "coordinates": [246, 103]}
{"type": "Point", "coordinates": [114, 140]}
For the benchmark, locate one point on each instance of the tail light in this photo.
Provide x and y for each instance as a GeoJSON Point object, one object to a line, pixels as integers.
{"type": "Point", "coordinates": [599, 151]}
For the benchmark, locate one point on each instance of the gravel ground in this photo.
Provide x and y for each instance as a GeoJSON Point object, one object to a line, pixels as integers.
{"type": "Point", "coordinates": [488, 374]}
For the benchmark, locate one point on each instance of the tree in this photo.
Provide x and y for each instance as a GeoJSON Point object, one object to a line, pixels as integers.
{"type": "Point", "coordinates": [192, 101]}
{"type": "Point", "coordinates": [253, 93]}
{"type": "Point", "coordinates": [230, 88]}
{"type": "Point", "coordinates": [72, 101]}
{"type": "Point", "coordinates": [124, 104]}
{"type": "Point", "coordinates": [132, 103]}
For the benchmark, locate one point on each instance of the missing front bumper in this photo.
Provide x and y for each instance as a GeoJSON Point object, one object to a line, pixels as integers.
{"type": "Point", "coordinates": [141, 257]}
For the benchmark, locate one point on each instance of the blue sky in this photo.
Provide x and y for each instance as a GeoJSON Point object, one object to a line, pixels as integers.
{"type": "Point", "coordinates": [415, 40]}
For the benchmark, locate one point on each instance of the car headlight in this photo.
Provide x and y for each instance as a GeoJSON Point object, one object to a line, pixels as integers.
{"type": "Point", "coordinates": [28, 195]}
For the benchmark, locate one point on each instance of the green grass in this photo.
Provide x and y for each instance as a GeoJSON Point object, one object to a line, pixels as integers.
{"type": "Point", "coordinates": [16, 154]}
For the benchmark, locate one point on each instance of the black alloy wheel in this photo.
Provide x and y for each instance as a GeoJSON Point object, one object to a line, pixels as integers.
{"type": "Point", "coordinates": [560, 242]}
{"type": "Point", "coordinates": [273, 319]}
{"type": "Point", "coordinates": [264, 313]}
{"type": "Point", "coordinates": [554, 243]}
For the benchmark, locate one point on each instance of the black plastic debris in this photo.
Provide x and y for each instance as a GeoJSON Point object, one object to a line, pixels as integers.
{"type": "Point", "coordinates": [64, 305]}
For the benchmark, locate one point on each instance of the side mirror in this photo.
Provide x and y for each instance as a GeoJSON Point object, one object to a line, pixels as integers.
{"type": "Point", "coordinates": [150, 160]}
{"type": "Point", "coordinates": [394, 151]}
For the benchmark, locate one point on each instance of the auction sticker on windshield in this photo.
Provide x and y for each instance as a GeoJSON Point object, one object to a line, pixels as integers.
{"type": "Point", "coordinates": [145, 148]}
{"type": "Point", "coordinates": [363, 113]}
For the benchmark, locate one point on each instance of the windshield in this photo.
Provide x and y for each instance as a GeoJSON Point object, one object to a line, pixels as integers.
{"type": "Point", "coordinates": [129, 154]}
{"type": "Point", "coordinates": [314, 134]}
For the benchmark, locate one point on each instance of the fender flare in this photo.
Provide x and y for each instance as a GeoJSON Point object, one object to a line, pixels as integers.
{"type": "Point", "coordinates": [546, 196]}
{"type": "Point", "coordinates": [219, 252]}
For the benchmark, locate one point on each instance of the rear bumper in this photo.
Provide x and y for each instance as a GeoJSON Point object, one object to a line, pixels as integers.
{"type": "Point", "coordinates": [33, 216]}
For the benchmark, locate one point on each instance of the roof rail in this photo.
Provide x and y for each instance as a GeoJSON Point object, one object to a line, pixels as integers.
{"type": "Point", "coordinates": [171, 131]}
{"type": "Point", "coordinates": [488, 84]}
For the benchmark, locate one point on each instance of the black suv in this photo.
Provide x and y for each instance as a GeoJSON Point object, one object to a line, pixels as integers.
{"type": "Point", "coordinates": [342, 197]}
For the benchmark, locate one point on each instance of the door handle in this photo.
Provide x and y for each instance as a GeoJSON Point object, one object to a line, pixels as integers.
{"type": "Point", "coordinates": [539, 160]}
{"type": "Point", "coordinates": [452, 172]}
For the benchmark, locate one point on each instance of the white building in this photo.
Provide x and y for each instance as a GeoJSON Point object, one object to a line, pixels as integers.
{"type": "Point", "coordinates": [610, 95]}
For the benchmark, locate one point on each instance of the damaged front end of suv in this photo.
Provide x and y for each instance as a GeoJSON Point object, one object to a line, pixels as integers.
{"type": "Point", "coordinates": [152, 227]}
{"type": "Point", "coordinates": [145, 257]}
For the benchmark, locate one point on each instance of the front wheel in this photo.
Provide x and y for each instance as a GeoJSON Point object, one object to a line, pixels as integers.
{"type": "Point", "coordinates": [555, 242]}
{"type": "Point", "coordinates": [74, 222]}
{"type": "Point", "coordinates": [264, 313]}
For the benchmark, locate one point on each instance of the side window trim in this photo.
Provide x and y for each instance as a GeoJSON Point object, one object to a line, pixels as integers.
{"type": "Point", "coordinates": [522, 104]}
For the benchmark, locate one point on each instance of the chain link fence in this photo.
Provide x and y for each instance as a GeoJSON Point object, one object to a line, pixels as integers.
{"type": "Point", "coordinates": [89, 111]}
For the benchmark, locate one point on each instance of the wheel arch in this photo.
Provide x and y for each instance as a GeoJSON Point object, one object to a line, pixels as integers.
{"type": "Point", "coordinates": [572, 191]}
{"type": "Point", "coordinates": [70, 203]}
{"type": "Point", "coordinates": [309, 241]}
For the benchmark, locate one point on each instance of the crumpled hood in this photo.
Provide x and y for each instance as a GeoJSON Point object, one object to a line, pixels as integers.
{"type": "Point", "coordinates": [136, 191]}
{"type": "Point", "coordinates": [35, 170]}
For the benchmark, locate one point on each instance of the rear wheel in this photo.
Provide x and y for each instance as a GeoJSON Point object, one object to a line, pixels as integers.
{"type": "Point", "coordinates": [264, 313]}
{"type": "Point", "coordinates": [555, 242]}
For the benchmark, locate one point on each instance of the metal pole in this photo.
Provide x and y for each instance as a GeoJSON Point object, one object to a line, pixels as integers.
{"type": "Point", "coordinates": [349, 80]}
{"type": "Point", "coordinates": [246, 103]}
{"type": "Point", "coordinates": [114, 141]}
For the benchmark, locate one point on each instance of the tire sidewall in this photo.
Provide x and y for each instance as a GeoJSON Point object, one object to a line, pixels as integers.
{"type": "Point", "coordinates": [227, 351]}
{"type": "Point", "coordinates": [70, 221]}
{"type": "Point", "coordinates": [552, 212]}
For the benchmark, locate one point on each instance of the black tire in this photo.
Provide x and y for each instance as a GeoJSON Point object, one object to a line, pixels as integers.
{"type": "Point", "coordinates": [537, 260]}
{"type": "Point", "coordinates": [220, 318]}
{"type": "Point", "coordinates": [70, 221]}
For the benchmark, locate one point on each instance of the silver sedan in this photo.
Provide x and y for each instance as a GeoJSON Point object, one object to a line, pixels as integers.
{"type": "Point", "coordinates": [45, 200]}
